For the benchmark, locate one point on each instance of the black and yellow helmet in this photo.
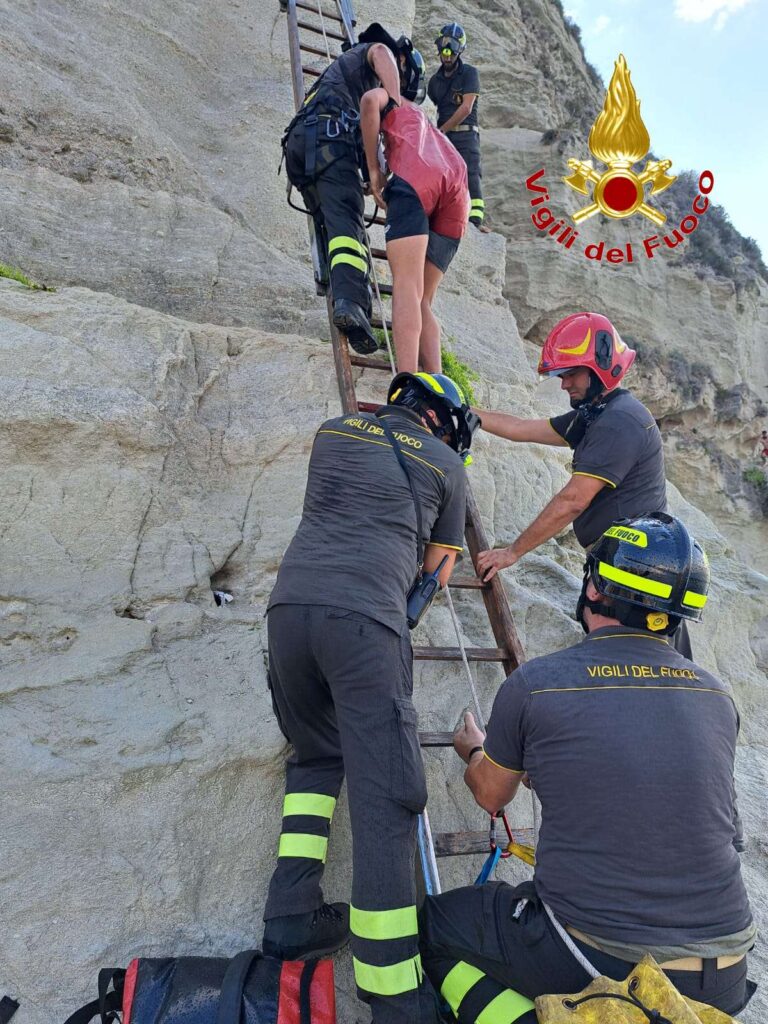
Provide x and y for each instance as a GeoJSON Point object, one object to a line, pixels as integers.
{"type": "Point", "coordinates": [438, 392]}
{"type": "Point", "coordinates": [451, 39]}
{"type": "Point", "coordinates": [650, 571]}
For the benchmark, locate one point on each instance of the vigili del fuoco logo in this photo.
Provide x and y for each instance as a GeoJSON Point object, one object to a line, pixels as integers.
{"type": "Point", "coordinates": [618, 140]}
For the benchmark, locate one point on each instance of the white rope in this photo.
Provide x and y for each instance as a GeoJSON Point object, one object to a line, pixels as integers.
{"type": "Point", "coordinates": [382, 312]}
{"type": "Point", "coordinates": [572, 947]}
{"type": "Point", "coordinates": [322, 26]}
{"type": "Point", "coordinates": [475, 699]}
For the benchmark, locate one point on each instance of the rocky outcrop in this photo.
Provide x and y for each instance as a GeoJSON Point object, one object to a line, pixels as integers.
{"type": "Point", "coordinates": [157, 413]}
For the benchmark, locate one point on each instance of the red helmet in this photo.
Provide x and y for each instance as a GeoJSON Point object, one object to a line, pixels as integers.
{"type": "Point", "coordinates": [590, 340]}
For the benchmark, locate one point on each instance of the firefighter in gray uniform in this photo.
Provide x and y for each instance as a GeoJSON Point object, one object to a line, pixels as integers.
{"type": "Point", "coordinates": [341, 675]}
{"type": "Point", "coordinates": [630, 748]}
{"type": "Point", "coordinates": [322, 149]}
{"type": "Point", "coordinates": [454, 89]}
{"type": "Point", "coordinates": [618, 459]}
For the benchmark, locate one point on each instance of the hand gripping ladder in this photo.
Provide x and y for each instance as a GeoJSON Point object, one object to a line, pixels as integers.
{"type": "Point", "coordinates": [335, 23]}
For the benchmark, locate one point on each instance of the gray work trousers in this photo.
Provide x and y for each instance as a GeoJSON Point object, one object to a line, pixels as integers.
{"type": "Point", "coordinates": [341, 686]}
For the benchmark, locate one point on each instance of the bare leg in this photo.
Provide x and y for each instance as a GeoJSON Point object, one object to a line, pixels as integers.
{"type": "Point", "coordinates": [407, 257]}
{"type": "Point", "coordinates": [429, 343]}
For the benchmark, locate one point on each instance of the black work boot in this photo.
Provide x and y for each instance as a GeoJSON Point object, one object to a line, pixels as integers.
{"type": "Point", "coordinates": [351, 320]}
{"type": "Point", "coordinates": [306, 936]}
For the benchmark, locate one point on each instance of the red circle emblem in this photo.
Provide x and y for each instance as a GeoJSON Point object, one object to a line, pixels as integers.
{"type": "Point", "coordinates": [620, 193]}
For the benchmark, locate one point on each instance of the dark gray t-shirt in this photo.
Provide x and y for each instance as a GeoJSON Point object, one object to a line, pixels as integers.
{"type": "Point", "coordinates": [623, 448]}
{"type": "Point", "coordinates": [355, 546]}
{"type": "Point", "coordinates": [630, 748]}
{"type": "Point", "coordinates": [447, 92]}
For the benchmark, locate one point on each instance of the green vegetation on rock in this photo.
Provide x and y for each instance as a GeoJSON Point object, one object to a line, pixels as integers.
{"type": "Point", "coordinates": [14, 274]}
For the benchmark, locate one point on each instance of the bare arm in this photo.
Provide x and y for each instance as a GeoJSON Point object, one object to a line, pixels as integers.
{"type": "Point", "coordinates": [514, 428]}
{"type": "Point", "coordinates": [382, 61]}
{"type": "Point", "coordinates": [433, 556]}
{"type": "Point", "coordinates": [492, 786]}
{"type": "Point", "coordinates": [461, 113]}
{"type": "Point", "coordinates": [371, 106]}
{"type": "Point", "coordinates": [568, 503]}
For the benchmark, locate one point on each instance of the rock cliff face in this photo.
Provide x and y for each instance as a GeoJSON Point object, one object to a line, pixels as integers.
{"type": "Point", "coordinates": [157, 414]}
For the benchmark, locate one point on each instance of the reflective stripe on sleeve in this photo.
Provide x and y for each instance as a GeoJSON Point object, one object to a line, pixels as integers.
{"type": "Point", "coordinates": [317, 804]}
{"type": "Point", "coordinates": [388, 981]}
{"type": "Point", "coordinates": [301, 844]}
{"type": "Point", "coordinates": [383, 924]}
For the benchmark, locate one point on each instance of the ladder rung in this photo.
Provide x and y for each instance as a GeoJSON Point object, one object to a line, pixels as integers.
{"type": "Point", "coordinates": [369, 406]}
{"type": "Point", "coordinates": [436, 739]}
{"type": "Point", "coordinates": [454, 844]}
{"type": "Point", "coordinates": [317, 50]}
{"type": "Point", "coordinates": [313, 10]}
{"type": "Point", "coordinates": [379, 254]}
{"type": "Point", "coordinates": [467, 583]}
{"type": "Point", "coordinates": [454, 653]}
{"type": "Point", "coordinates": [379, 219]}
{"type": "Point", "coordinates": [311, 71]}
{"type": "Point", "coordinates": [385, 289]}
{"type": "Point", "coordinates": [319, 31]}
{"type": "Point", "coordinates": [370, 364]}
{"type": "Point", "coordinates": [376, 321]}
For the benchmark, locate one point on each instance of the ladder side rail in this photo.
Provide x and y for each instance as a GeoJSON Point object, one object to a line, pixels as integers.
{"type": "Point", "coordinates": [347, 15]}
{"type": "Point", "coordinates": [494, 597]}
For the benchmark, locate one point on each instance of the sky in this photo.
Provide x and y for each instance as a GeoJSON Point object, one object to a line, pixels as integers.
{"type": "Point", "coordinates": [700, 70]}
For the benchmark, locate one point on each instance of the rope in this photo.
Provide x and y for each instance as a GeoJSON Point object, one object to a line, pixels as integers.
{"type": "Point", "coordinates": [322, 26]}
{"type": "Point", "coordinates": [382, 312]}
{"type": "Point", "coordinates": [475, 699]}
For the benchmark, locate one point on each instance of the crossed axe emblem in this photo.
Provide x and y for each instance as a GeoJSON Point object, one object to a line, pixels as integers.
{"type": "Point", "coordinates": [655, 172]}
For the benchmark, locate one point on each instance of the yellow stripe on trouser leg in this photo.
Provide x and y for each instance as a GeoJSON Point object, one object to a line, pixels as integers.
{"type": "Point", "coordinates": [505, 1008]}
{"type": "Point", "coordinates": [477, 204]}
{"type": "Point", "coordinates": [353, 261]}
{"type": "Point", "coordinates": [346, 242]}
{"type": "Point", "coordinates": [301, 844]}
{"type": "Point", "coordinates": [316, 804]}
{"type": "Point", "coordinates": [391, 980]}
{"type": "Point", "coordinates": [383, 924]}
{"type": "Point", "coordinates": [457, 982]}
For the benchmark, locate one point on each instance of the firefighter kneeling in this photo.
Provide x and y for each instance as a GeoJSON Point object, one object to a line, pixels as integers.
{"type": "Point", "coordinates": [634, 770]}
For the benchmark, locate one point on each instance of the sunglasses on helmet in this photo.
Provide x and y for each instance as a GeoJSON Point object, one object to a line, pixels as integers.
{"type": "Point", "coordinates": [448, 46]}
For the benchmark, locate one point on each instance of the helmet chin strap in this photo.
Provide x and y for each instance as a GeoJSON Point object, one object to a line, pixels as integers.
{"type": "Point", "coordinates": [594, 391]}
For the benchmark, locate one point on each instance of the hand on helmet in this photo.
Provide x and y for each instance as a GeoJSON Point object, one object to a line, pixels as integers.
{"type": "Point", "coordinates": [489, 562]}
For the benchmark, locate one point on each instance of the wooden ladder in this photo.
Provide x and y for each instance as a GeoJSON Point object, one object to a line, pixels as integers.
{"type": "Point", "coordinates": [308, 20]}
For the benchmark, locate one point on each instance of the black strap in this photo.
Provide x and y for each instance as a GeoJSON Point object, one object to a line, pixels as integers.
{"type": "Point", "coordinates": [305, 986]}
{"type": "Point", "coordinates": [106, 1009]}
{"type": "Point", "coordinates": [401, 459]}
{"type": "Point", "coordinates": [8, 1007]}
{"type": "Point", "coordinates": [235, 977]}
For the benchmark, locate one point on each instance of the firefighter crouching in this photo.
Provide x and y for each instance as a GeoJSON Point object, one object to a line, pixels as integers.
{"type": "Point", "coordinates": [630, 748]}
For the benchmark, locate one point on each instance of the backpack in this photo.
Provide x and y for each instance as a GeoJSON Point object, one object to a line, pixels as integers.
{"type": "Point", "coordinates": [250, 988]}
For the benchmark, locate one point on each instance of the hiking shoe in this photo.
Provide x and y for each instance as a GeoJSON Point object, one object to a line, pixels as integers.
{"type": "Point", "coordinates": [351, 320]}
{"type": "Point", "coordinates": [306, 936]}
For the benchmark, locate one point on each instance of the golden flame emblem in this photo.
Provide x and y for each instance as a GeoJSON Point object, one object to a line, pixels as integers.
{"type": "Point", "coordinates": [619, 139]}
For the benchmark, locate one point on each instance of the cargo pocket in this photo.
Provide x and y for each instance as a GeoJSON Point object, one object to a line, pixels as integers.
{"type": "Point", "coordinates": [275, 708]}
{"type": "Point", "coordinates": [407, 784]}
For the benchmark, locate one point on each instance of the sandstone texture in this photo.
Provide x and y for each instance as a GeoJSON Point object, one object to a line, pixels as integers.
{"type": "Point", "coordinates": [156, 418]}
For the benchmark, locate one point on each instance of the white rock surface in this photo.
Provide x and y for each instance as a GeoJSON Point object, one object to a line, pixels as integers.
{"type": "Point", "coordinates": [156, 417]}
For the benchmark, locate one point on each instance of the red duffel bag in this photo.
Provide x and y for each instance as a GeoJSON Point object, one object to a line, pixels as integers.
{"type": "Point", "coordinates": [248, 989]}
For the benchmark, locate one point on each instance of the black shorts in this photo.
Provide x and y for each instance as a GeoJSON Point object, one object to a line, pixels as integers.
{"type": "Point", "coordinates": [406, 217]}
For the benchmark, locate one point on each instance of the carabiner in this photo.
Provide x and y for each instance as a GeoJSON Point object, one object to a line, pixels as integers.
{"type": "Point", "coordinates": [337, 126]}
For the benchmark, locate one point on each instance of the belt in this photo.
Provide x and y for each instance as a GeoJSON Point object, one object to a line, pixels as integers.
{"type": "Point", "coordinates": [464, 128]}
{"type": "Point", "coordinates": [685, 963]}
